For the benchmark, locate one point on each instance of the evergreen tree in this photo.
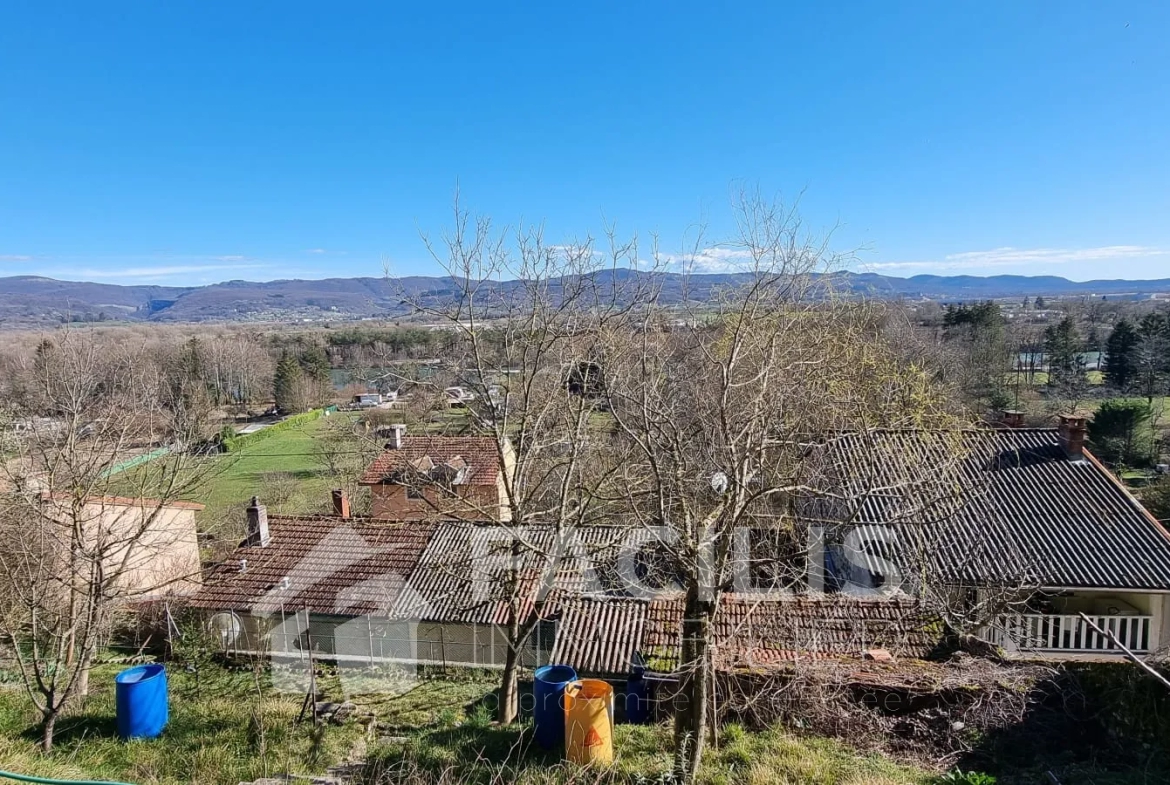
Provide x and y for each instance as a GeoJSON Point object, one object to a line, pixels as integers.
{"type": "Point", "coordinates": [1067, 380]}
{"type": "Point", "coordinates": [1063, 349]}
{"type": "Point", "coordinates": [1119, 431]}
{"type": "Point", "coordinates": [315, 365]}
{"type": "Point", "coordinates": [1039, 303]}
{"type": "Point", "coordinates": [288, 384]}
{"type": "Point", "coordinates": [191, 359]}
{"type": "Point", "coordinates": [1121, 360]}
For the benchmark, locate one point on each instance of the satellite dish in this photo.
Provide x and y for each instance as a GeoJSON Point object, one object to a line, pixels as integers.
{"type": "Point", "coordinates": [719, 483]}
{"type": "Point", "coordinates": [227, 625]}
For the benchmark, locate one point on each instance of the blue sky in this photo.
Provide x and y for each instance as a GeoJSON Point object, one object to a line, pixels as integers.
{"type": "Point", "coordinates": [190, 143]}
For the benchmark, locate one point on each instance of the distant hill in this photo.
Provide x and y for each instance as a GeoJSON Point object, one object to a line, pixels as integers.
{"type": "Point", "coordinates": [33, 300]}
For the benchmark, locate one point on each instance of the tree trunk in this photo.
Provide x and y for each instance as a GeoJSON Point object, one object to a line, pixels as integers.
{"type": "Point", "coordinates": [47, 726]}
{"type": "Point", "coordinates": [509, 707]}
{"type": "Point", "coordinates": [82, 688]}
{"type": "Point", "coordinates": [691, 719]}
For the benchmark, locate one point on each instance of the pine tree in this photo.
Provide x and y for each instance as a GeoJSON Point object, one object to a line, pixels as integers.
{"type": "Point", "coordinates": [1121, 360]}
{"type": "Point", "coordinates": [1062, 346]}
{"type": "Point", "coordinates": [1067, 379]}
{"type": "Point", "coordinates": [288, 384]}
{"type": "Point", "coordinates": [315, 365]}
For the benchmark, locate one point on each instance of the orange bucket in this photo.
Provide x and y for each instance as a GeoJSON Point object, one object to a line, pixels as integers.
{"type": "Point", "coordinates": [589, 722]}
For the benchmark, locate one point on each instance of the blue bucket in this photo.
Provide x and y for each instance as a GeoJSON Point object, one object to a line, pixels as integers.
{"type": "Point", "coordinates": [548, 716]}
{"type": "Point", "coordinates": [140, 695]}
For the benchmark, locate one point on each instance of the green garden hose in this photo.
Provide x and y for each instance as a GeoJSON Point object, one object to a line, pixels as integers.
{"type": "Point", "coordinates": [46, 781]}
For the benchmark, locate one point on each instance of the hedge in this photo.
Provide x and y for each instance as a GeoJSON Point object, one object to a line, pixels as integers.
{"type": "Point", "coordinates": [235, 443]}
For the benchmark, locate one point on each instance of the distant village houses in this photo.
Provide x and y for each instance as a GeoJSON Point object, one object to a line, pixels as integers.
{"type": "Point", "coordinates": [1046, 527]}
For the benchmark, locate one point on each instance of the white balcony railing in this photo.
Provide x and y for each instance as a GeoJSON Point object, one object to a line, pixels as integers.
{"type": "Point", "coordinates": [1059, 633]}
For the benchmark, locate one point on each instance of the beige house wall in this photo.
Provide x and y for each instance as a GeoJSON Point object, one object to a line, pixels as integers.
{"type": "Point", "coordinates": [154, 548]}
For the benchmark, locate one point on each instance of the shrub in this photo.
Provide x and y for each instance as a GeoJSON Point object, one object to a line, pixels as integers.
{"type": "Point", "coordinates": [958, 777]}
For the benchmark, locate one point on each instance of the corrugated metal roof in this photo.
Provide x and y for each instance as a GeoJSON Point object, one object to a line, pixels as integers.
{"type": "Point", "coordinates": [333, 566]}
{"type": "Point", "coordinates": [599, 635]}
{"type": "Point", "coordinates": [1013, 508]}
{"type": "Point", "coordinates": [479, 453]}
{"type": "Point", "coordinates": [463, 575]}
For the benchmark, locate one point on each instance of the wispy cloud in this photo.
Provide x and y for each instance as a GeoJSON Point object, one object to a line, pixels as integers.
{"type": "Point", "coordinates": [711, 260]}
{"type": "Point", "coordinates": [323, 251]}
{"type": "Point", "coordinates": [1025, 257]}
{"type": "Point", "coordinates": [15, 257]}
{"type": "Point", "coordinates": [163, 271]}
{"type": "Point", "coordinates": [232, 258]}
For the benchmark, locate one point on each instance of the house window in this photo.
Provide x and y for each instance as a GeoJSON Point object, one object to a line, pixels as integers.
{"type": "Point", "coordinates": [414, 492]}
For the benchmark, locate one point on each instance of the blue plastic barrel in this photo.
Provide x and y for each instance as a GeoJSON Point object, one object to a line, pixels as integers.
{"type": "Point", "coordinates": [637, 698]}
{"type": "Point", "coordinates": [548, 716]}
{"type": "Point", "coordinates": [140, 696]}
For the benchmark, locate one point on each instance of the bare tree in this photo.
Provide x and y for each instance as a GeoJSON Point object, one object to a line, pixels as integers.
{"type": "Point", "coordinates": [730, 408]}
{"type": "Point", "coordinates": [524, 313]}
{"type": "Point", "coordinates": [82, 537]}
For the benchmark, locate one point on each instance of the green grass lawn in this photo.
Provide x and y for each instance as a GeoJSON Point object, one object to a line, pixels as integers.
{"type": "Point", "coordinates": [219, 732]}
{"type": "Point", "coordinates": [286, 470]}
{"type": "Point", "coordinates": [1040, 378]}
{"type": "Point", "coordinates": [484, 753]}
{"type": "Point", "coordinates": [439, 736]}
{"type": "Point", "coordinates": [289, 457]}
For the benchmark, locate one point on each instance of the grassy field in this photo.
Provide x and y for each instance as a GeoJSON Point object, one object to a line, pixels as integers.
{"type": "Point", "coordinates": [220, 732]}
{"type": "Point", "coordinates": [438, 730]}
{"type": "Point", "coordinates": [476, 752]}
{"type": "Point", "coordinates": [442, 734]}
{"type": "Point", "coordinates": [1040, 378]}
{"type": "Point", "coordinates": [287, 458]}
{"type": "Point", "coordinates": [286, 470]}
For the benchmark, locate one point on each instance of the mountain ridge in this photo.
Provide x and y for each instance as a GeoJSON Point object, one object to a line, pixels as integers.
{"type": "Point", "coordinates": [31, 299]}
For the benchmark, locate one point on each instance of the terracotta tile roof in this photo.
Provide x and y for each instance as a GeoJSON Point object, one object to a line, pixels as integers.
{"type": "Point", "coordinates": [1028, 514]}
{"type": "Point", "coordinates": [333, 565]}
{"type": "Point", "coordinates": [760, 630]}
{"type": "Point", "coordinates": [479, 454]}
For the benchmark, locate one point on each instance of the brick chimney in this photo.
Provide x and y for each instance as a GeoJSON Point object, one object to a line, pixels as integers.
{"type": "Point", "coordinates": [1011, 418]}
{"type": "Point", "coordinates": [397, 431]}
{"type": "Point", "coordinates": [1072, 435]}
{"type": "Point", "coordinates": [340, 503]}
{"type": "Point", "coordinates": [258, 524]}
